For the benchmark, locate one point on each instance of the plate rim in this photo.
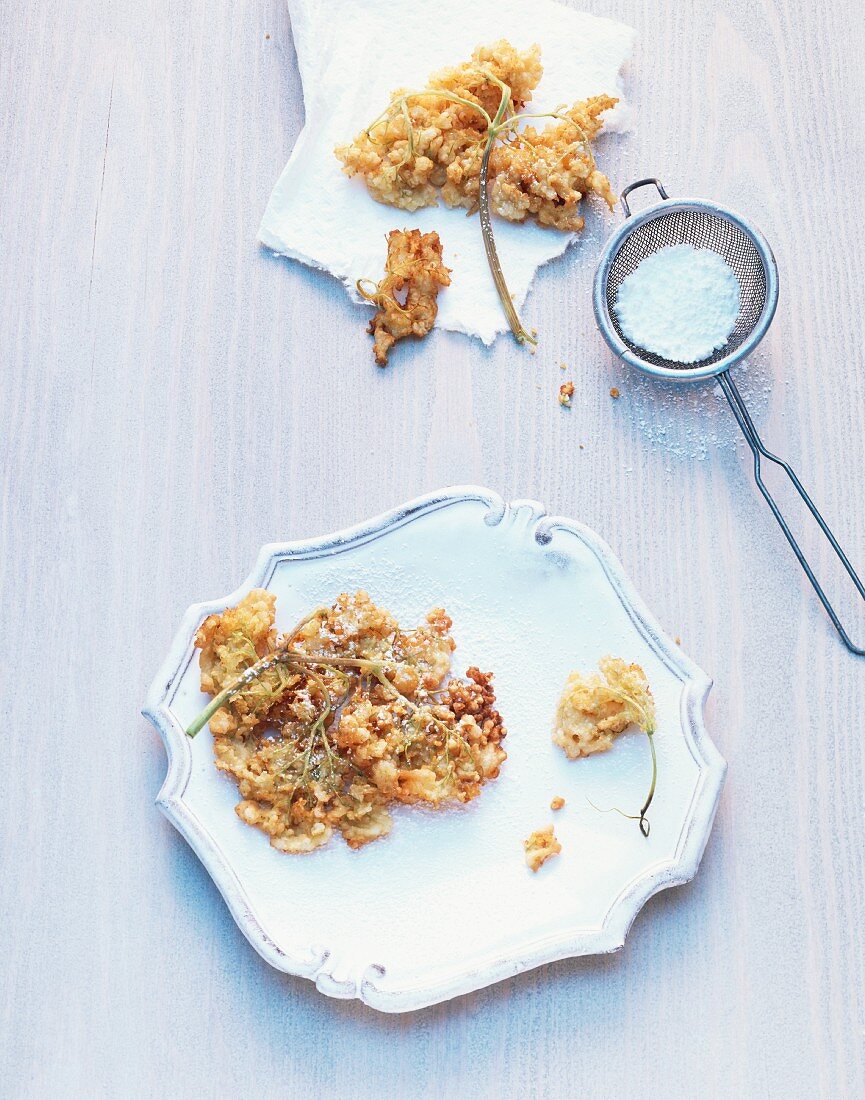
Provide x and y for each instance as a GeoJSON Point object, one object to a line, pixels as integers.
{"type": "Point", "coordinates": [317, 964]}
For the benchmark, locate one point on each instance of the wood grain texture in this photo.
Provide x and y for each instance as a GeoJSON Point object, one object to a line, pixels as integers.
{"type": "Point", "coordinates": [173, 398]}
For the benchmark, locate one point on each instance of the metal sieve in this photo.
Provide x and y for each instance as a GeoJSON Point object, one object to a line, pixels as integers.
{"type": "Point", "coordinates": [707, 225]}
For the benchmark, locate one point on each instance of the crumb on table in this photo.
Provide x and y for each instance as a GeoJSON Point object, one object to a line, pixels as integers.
{"type": "Point", "coordinates": [557, 803]}
{"type": "Point", "coordinates": [614, 393]}
{"type": "Point", "coordinates": [566, 392]}
{"type": "Point", "coordinates": [541, 846]}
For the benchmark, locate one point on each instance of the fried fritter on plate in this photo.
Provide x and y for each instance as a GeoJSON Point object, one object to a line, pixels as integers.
{"type": "Point", "coordinates": [593, 710]}
{"type": "Point", "coordinates": [540, 846]}
{"type": "Point", "coordinates": [349, 714]}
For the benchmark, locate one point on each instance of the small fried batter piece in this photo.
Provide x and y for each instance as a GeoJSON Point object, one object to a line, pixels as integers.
{"type": "Point", "coordinates": [540, 846]}
{"type": "Point", "coordinates": [593, 710]}
{"type": "Point", "coordinates": [414, 270]}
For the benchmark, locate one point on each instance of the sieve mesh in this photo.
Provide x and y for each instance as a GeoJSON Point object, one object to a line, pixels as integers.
{"type": "Point", "coordinates": [702, 229]}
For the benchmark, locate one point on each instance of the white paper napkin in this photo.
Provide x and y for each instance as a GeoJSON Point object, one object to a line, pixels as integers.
{"type": "Point", "coordinates": [351, 57]}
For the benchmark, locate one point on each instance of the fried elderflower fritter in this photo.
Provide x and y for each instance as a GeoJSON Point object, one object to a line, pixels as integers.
{"type": "Point", "coordinates": [544, 174]}
{"type": "Point", "coordinates": [593, 710]}
{"type": "Point", "coordinates": [540, 846]}
{"type": "Point", "coordinates": [324, 727]}
{"type": "Point", "coordinates": [441, 140]}
{"type": "Point", "coordinates": [431, 142]}
{"type": "Point", "coordinates": [406, 297]}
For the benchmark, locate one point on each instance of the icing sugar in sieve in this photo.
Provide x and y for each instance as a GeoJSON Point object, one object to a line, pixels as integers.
{"type": "Point", "coordinates": [665, 349]}
{"type": "Point", "coordinates": [681, 303]}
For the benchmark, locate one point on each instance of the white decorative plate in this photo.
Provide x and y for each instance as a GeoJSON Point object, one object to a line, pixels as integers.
{"type": "Point", "coordinates": [445, 904]}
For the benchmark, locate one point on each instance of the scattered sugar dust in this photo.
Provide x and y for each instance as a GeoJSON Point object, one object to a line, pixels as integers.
{"type": "Point", "coordinates": [691, 420]}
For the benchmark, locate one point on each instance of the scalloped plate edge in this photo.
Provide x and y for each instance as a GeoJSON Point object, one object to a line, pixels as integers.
{"type": "Point", "coordinates": [316, 963]}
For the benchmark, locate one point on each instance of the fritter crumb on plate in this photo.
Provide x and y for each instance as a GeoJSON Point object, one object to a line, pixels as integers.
{"type": "Point", "coordinates": [343, 716]}
{"type": "Point", "coordinates": [406, 298]}
{"type": "Point", "coordinates": [540, 846]}
{"type": "Point", "coordinates": [557, 803]}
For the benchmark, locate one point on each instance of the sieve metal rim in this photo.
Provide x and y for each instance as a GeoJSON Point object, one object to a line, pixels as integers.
{"type": "Point", "coordinates": [611, 249]}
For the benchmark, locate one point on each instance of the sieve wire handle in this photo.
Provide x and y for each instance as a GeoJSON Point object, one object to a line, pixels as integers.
{"type": "Point", "coordinates": [754, 441]}
{"type": "Point", "coordinates": [650, 181]}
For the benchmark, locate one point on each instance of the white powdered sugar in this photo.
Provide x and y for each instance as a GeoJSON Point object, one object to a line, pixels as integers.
{"type": "Point", "coordinates": [681, 302]}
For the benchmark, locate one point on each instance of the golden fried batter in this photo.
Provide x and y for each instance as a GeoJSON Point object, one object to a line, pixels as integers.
{"type": "Point", "coordinates": [593, 710]}
{"type": "Point", "coordinates": [346, 714]}
{"type": "Point", "coordinates": [544, 174]}
{"type": "Point", "coordinates": [540, 846]}
{"type": "Point", "coordinates": [415, 271]}
{"type": "Point", "coordinates": [230, 643]}
{"type": "Point", "coordinates": [429, 144]}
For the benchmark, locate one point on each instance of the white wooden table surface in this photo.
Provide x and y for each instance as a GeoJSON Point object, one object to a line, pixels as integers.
{"type": "Point", "coordinates": [172, 398]}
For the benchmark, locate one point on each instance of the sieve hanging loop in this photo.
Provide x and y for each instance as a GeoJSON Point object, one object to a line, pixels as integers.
{"type": "Point", "coordinates": [650, 181]}
{"type": "Point", "coordinates": [705, 224]}
{"type": "Point", "coordinates": [754, 441]}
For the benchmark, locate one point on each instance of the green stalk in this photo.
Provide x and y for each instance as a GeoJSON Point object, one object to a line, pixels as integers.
{"type": "Point", "coordinates": [271, 660]}
{"type": "Point", "coordinates": [641, 816]}
{"type": "Point", "coordinates": [520, 334]}
{"type": "Point", "coordinates": [224, 696]}
{"type": "Point", "coordinates": [644, 823]}
{"type": "Point", "coordinates": [495, 126]}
